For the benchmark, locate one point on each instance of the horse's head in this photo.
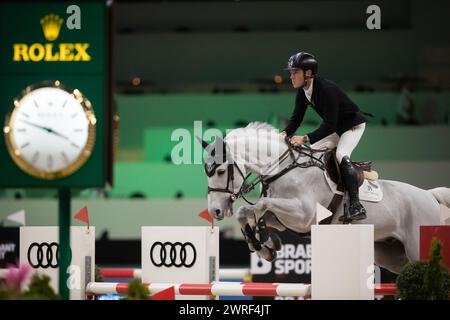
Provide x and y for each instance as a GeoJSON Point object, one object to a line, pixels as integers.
{"type": "Point", "coordinates": [225, 178]}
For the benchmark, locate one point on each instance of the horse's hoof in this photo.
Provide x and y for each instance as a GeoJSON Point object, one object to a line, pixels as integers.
{"type": "Point", "coordinates": [274, 242]}
{"type": "Point", "coordinates": [267, 253]}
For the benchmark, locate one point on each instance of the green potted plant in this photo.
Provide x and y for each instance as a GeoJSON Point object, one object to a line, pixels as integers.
{"type": "Point", "coordinates": [137, 291]}
{"type": "Point", "coordinates": [425, 280]}
{"type": "Point", "coordinates": [40, 289]}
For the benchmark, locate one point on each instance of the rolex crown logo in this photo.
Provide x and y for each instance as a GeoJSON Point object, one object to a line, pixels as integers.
{"type": "Point", "coordinates": [51, 25]}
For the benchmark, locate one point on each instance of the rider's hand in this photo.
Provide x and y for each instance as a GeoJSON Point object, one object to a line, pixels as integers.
{"type": "Point", "coordinates": [298, 140]}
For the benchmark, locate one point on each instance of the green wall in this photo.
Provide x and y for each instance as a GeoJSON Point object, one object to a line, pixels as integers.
{"type": "Point", "coordinates": [141, 112]}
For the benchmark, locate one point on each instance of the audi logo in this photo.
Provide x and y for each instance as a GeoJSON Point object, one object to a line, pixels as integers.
{"type": "Point", "coordinates": [175, 254]}
{"type": "Point", "coordinates": [44, 255]}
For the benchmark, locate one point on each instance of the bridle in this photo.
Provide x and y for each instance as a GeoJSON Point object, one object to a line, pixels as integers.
{"type": "Point", "coordinates": [210, 171]}
{"type": "Point", "coordinates": [265, 180]}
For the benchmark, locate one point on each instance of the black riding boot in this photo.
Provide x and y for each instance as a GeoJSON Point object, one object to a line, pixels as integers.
{"type": "Point", "coordinates": [350, 179]}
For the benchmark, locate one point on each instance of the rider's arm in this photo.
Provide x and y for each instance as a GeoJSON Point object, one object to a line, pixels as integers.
{"type": "Point", "coordinates": [298, 114]}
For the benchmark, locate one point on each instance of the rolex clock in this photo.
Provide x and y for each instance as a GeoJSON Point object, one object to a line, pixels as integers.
{"type": "Point", "coordinates": [50, 132]}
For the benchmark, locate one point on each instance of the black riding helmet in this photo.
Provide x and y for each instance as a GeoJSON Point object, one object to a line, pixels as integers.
{"type": "Point", "coordinates": [303, 60]}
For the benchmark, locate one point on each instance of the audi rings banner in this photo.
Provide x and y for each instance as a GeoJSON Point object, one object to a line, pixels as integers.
{"type": "Point", "coordinates": [39, 248]}
{"type": "Point", "coordinates": [180, 255]}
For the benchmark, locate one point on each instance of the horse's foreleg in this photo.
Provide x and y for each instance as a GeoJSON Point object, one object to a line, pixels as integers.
{"type": "Point", "coordinates": [294, 214]}
{"type": "Point", "coordinates": [273, 211]}
{"type": "Point", "coordinates": [256, 234]}
{"type": "Point", "coordinates": [246, 218]}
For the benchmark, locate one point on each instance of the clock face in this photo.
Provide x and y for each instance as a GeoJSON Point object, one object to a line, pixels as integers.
{"type": "Point", "coordinates": [51, 131]}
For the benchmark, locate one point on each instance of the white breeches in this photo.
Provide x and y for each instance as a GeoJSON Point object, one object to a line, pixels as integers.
{"type": "Point", "coordinates": [345, 144]}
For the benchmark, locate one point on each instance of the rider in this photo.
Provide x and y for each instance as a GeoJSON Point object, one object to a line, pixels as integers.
{"type": "Point", "coordinates": [343, 123]}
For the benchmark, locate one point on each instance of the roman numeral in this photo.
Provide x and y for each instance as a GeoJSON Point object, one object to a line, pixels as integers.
{"type": "Point", "coordinates": [49, 161]}
{"type": "Point", "coordinates": [64, 157]}
{"type": "Point", "coordinates": [35, 104]}
{"type": "Point", "coordinates": [74, 115]}
{"type": "Point", "coordinates": [73, 144]}
{"type": "Point", "coordinates": [35, 157]}
{"type": "Point", "coordinates": [26, 144]}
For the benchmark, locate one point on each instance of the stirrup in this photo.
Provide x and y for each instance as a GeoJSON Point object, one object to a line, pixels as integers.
{"type": "Point", "coordinates": [359, 207]}
{"type": "Point", "coordinates": [347, 217]}
{"type": "Point", "coordinates": [359, 211]}
{"type": "Point", "coordinates": [356, 217]}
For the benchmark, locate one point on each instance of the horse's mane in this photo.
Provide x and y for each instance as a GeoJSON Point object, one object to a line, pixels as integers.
{"type": "Point", "coordinates": [250, 129]}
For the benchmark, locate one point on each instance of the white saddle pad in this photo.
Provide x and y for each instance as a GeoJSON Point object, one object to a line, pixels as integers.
{"type": "Point", "coordinates": [368, 191]}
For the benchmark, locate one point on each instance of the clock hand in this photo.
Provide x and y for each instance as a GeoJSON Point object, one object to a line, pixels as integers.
{"type": "Point", "coordinates": [58, 134]}
{"type": "Point", "coordinates": [49, 130]}
{"type": "Point", "coordinates": [35, 125]}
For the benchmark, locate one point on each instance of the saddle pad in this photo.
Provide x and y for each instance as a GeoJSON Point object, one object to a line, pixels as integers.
{"type": "Point", "coordinates": [368, 191]}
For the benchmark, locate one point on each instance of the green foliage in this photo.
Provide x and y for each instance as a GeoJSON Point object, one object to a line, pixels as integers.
{"type": "Point", "coordinates": [137, 291]}
{"type": "Point", "coordinates": [98, 275]}
{"type": "Point", "coordinates": [421, 280]}
{"type": "Point", "coordinates": [6, 293]}
{"type": "Point", "coordinates": [410, 281]}
{"type": "Point", "coordinates": [40, 289]}
{"type": "Point", "coordinates": [436, 279]}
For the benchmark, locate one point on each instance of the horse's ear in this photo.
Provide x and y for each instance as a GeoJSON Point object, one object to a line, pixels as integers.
{"type": "Point", "coordinates": [220, 142]}
{"type": "Point", "coordinates": [222, 149]}
{"type": "Point", "coordinates": [219, 139]}
{"type": "Point", "coordinates": [202, 142]}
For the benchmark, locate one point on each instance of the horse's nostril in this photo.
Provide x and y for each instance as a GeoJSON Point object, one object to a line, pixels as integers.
{"type": "Point", "coordinates": [217, 212]}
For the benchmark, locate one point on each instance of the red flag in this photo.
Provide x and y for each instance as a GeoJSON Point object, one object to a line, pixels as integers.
{"type": "Point", "coordinates": [166, 294]}
{"type": "Point", "coordinates": [82, 215]}
{"type": "Point", "coordinates": [205, 215]}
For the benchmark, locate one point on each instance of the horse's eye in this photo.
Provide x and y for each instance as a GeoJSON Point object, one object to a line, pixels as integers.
{"type": "Point", "coordinates": [220, 172]}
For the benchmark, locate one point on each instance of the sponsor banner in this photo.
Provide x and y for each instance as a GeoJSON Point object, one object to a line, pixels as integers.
{"type": "Point", "coordinates": [180, 255]}
{"type": "Point", "coordinates": [293, 263]}
{"type": "Point", "coordinates": [9, 246]}
{"type": "Point", "coordinates": [39, 247]}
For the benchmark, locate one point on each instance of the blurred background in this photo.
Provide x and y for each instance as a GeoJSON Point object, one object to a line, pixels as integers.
{"type": "Point", "coordinates": [221, 62]}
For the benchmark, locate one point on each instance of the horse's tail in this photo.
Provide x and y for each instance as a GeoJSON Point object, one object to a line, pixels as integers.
{"type": "Point", "coordinates": [442, 195]}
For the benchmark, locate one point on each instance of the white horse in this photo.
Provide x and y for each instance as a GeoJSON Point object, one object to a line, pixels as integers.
{"type": "Point", "coordinates": [291, 199]}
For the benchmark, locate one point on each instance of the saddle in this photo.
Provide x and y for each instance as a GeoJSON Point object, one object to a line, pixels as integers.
{"type": "Point", "coordinates": [364, 169]}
